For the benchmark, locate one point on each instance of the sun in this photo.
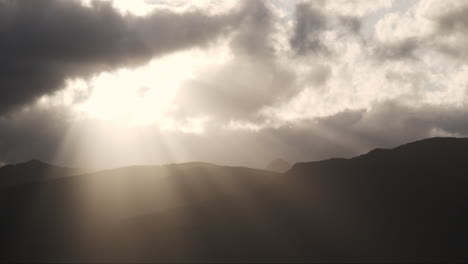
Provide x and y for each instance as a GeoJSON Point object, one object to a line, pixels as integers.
{"type": "Point", "coordinates": [145, 95]}
{"type": "Point", "coordinates": [136, 96]}
{"type": "Point", "coordinates": [123, 96]}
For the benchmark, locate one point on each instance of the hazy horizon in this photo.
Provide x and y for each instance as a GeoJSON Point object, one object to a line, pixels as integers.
{"type": "Point", "coordinates": [265, 166]}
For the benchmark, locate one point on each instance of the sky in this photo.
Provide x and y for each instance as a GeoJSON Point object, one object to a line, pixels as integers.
{"type": "Point", "coordinates": [103, 84]}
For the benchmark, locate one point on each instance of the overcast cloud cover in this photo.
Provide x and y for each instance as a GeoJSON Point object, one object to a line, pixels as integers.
{"type": "Point", "coordinates": [245, 81]}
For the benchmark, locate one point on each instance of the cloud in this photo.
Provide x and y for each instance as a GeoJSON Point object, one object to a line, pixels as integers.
{"type": "Point", "coordinates": [352, 132]}
{"type": "Point", "coordinates": [45, 42]}
{"type": "Point", "coordinates": [309, 24]}
{"type": "Point", "coordinates": [33, 133]}
{"type": "Point", "coordinates": [317, 22]}
{"type": "Point", "coordinates": [402, 50]}
{"type": "Point", "coordinates": [352, 23]}
{"type": "Point", "coordinates": [333, 79]}
{"type": "Point", "coordinates": [357, 8]}
{"type": "Point", "coordinates": [427, 26]}
{"type": "Point", "coordinates": [252, 37]}
{"type": "Point", "coordinates": [237, 90]}
{"type": "Point", "coordinates": [49, 134]}
{"type": "Point", "coordinates": [251, 79]}
{"type": "Point", "coordinates": [450, 37]}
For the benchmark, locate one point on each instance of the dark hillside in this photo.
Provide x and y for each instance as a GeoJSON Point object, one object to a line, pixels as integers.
{"type": "Point", "coordinates": [404, 204]}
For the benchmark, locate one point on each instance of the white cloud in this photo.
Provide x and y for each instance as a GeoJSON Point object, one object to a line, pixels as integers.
{"type": "Point", "coordinates": [356, 7]}
{"type": "Point", "coordinates": [214, 6]}
{"type": "Point", "coordinates": [145, 7]}
{"type": "Point", "coordinates": [351, 79]}
{"type": "Point", "coordinates": [396, 27]}
{"type": "Point", "coordinates": [433, 9]}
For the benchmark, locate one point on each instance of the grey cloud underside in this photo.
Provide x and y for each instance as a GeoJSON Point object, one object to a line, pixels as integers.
{"type": "Point", "coordinates": [44, 42]}
{"type": "Point", "coordinates": [310, 21]}
{"type": "Point", "coordinates": [250, 81]}
{"type": "Point", "coordinates": [252, 37]}
{"type": "Point", "coordinates": [352, 23]}
{"type": "Point", "coordinates": [453, 24]}
{"type": "Point", "coordinates": [237, 90]}
{"type": "Point", "coordinates": [310, 24]}
{"type": "Point", "coordinates": [448, 38]}
{"type": "Point", "coordinates": [402, 50]}
{"type": "Point", "coordinates": [254, 78]}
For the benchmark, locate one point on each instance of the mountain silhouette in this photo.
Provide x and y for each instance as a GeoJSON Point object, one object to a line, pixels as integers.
{"type": "Point", "coordinates": [407, 204]}
{"type": "Point", "coordinates": [32, 171]}
{"type": "Point", "coordinates": [279, 165]}
{"type": "Point", "coordinates": [435, 156]}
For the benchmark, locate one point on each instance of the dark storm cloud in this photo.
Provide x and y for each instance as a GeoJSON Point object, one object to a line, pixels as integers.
{"type": "Point", "coordinates": [452, 26]}
{"type": "Point", "coordinates": [352, 23]}
{"type": "Point", "coordinates": [44, 42]}
{"type": "Point", "coordinates": [309, 24]}
{"type": "Point", "coordinates": [454, 20]}
{"type": "Point", "coordinates": [402, 50]}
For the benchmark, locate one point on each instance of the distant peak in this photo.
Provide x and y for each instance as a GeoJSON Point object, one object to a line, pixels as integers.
{"type": "Point", "coordinates": [280, 160]}
{"type": "Point", "coordinates": [376, 150]}
{"type": "Point", "coordinates": [34, 161]}
{"type": "Point", "coordinates": [279, 165]}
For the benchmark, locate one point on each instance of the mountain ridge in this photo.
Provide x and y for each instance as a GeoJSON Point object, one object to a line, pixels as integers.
{"type": "Point", "coordinates": [413, 151]}
{"type": "Point", "coordinates": [33, 171]}
{"type": "Point", "coordinates": [406, 204]}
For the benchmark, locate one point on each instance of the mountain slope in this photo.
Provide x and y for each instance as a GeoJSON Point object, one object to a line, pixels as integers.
{"type": "Point", "coordinates": [32, 171]}
{"type": "Point", "coordinates": [414, 196]}
{"type": "Point", "coordinates": [407, 204]}
{"type": "Point", "coordinates": [440, 154]}
{"type": "Point", "coordinates": [71, 218]}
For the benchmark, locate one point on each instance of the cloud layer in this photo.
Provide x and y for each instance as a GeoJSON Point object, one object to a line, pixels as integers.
{"type": "Point", "coordinates": [301, 82]}
{"type": "Point", "coordinates": [46, 42]}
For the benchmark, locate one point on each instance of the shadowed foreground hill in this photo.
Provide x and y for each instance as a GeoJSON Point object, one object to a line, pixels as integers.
{"type": "Point", "coordinates": [413, 199]}
{"type": "Point", "coordinates": [405, 204]}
